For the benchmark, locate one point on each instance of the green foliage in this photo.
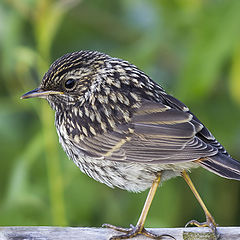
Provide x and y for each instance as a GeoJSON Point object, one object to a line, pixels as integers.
{"type": "Point", "coordinates": [190, 47]}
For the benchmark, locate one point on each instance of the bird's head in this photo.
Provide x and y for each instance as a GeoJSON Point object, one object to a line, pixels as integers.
{"type": "Point", "coordinates": [71, 78]}
{"type": "Point", "coordinates": [90, 77]}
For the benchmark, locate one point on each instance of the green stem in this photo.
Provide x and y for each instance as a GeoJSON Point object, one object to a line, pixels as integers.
{"type": "Point", "coordinates": [55, 178]}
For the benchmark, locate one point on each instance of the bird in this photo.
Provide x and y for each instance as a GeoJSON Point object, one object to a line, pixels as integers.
{"type": "Point", "coordinates": [122, 129]}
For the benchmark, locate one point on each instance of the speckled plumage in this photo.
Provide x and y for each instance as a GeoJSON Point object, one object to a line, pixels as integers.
{"type": "Point", "coordinates": [121, 128]}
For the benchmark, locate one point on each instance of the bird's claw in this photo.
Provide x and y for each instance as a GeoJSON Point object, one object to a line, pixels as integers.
{"type": "Point", "coordinates": [134, 231]}
{"type": "Point", "coordinates": [209, 223]}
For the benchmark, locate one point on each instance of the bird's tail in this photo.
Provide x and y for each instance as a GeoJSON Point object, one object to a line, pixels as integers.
{"type": "Point", "coordinates": [222, 165]}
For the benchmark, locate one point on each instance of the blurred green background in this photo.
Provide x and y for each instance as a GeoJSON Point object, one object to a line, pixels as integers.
{"type": "Point", "coordinates": [192, 48]}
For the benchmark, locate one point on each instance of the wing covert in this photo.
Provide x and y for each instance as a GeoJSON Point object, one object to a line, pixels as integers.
{"type": "Point", "coordinates": [156, 133]}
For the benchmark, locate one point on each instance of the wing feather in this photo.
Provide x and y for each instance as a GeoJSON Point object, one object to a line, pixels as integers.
{"type": "Point", "coordinates": [156, 133]}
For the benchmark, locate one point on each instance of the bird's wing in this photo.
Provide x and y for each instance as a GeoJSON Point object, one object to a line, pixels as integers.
{"type": "Point", "coordinates": [204, 134]}
{"type": "Point", "coordinates": [157, 133]}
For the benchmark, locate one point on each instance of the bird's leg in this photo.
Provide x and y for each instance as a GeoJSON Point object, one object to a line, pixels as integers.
{"type": "Point", "coordinates": [210, 222]}
{"type": "Point", "coordinates": [139, 228]}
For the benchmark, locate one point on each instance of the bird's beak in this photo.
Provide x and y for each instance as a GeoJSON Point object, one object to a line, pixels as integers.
{"type": "Point", "coordinates": [38, 92]}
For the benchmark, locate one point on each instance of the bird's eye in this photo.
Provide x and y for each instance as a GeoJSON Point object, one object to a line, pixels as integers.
{"type": "Point", "coordinates": [69, 84]}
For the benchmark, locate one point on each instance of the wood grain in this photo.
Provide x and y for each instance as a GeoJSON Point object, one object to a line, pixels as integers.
{"type": "Point", "coordinates": [82, 233]}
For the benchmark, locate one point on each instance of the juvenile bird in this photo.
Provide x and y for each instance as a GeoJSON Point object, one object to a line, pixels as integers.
{"type": "Point", "coordinates": [122, 129]}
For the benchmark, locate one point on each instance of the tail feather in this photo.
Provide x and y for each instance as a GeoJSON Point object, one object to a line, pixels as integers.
{"type": "Point", "coordinates": [223, 166]}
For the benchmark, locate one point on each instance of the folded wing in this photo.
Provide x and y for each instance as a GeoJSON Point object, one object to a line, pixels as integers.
{"type": "Point", "coordinates": [157, 133]}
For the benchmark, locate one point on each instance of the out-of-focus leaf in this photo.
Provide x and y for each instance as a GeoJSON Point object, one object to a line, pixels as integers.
{"type": "Point", "coordinates": [18, 187]}
{"type": "Point", "coordinates": [214, 40]}
{"type": "Point", "coordinates": [48, 18]}
{"type": "Point", "coordinates": [9, 38]}
{"type": "Point", "coordinates": [235, 76]}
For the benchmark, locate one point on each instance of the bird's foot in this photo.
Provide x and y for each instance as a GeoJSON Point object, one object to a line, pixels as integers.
{"type": "Point", "coordinates": [210, 222]}
{"type": "Point", "coordinates": [134, 231]}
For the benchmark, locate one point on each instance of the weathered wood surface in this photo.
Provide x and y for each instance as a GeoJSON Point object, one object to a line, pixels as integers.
{"type": "Point", "coordinates": [80, 233]}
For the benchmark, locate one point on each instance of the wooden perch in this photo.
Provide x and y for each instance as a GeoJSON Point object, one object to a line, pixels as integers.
{"type": "Point", "coordinates": [82, 233]}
